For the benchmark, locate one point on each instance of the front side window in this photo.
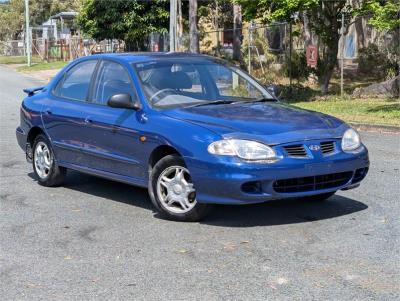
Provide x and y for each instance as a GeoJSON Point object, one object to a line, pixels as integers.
{"type": "Point", "coordinates": [112, 79]}
{"type": "Point", "coordinates": [177, 83]}
{"type": "Point", "coordinates": [76, 82]}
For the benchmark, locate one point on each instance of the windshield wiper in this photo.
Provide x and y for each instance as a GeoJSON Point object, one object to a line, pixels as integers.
{"type": "Point", "coordinates": [263, 99]}
{"type": "Point", "coordinates": [214, 102]}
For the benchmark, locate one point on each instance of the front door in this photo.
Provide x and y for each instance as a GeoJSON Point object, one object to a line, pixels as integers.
{"type": "Point", "coordinates": [114, 143]}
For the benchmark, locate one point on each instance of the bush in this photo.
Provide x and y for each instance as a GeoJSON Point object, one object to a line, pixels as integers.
{"type": "Point", "coordinates": [300, 70]}
{"type": "Point", "coordinates": [373, 61]}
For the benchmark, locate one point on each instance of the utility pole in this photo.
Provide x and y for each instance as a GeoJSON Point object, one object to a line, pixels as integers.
{"type": "Point", "coordinates": [27, 33]}
{"type": "Point", "coordinates": [342, 57]}
{"type": "Point", "coordinates": [172, 24]}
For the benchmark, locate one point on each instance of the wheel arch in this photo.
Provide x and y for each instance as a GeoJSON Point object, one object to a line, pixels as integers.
{"type": "Point", "coordinates": [33, 133]}
{"type": "Point", "coordinates": [160, 152]}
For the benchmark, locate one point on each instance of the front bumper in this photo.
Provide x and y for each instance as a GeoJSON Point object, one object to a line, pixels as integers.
{"type": "Point", "coordinates": [231, 181]}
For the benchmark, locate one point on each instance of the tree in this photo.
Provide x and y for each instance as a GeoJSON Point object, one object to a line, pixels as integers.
{"type": "Point", "coordinates": [193, 31]}
{"type": "Point", "coordinates": [384, 14]}
{"type": "Point", "coordinates": [237, 32]}
{"type": "Point", "coordinates": [322, 16]}
{"type": "Point", "coordinates": [128, 20]}
{"type": "Point", "coordinates": [12, 14]}
{"type": "Point", "coordinates": [218, 13]}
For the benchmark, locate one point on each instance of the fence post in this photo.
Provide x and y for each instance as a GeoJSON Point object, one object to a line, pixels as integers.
{"type": "Point", "coordinates": [46, 50]}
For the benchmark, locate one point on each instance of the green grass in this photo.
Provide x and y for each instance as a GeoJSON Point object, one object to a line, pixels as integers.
{"type": "Point", "coordinates": [17, 59]}
{"type": "Point", "coordinates": [42, 66]}
{"type": "Point", "coordinates": [368, 111]}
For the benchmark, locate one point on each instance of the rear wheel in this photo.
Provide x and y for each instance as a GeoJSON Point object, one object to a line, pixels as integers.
{"type": "Point", "coordinates": [318, 197]}
{"type": "Point", "coordinates": [172, 191]}
{"type": "Point", "coordinates": [47, 172]}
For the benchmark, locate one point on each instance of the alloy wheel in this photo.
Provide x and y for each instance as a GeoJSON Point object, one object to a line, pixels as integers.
{"type": "Point", "coordinates": [175, 190]}
{"type": "Point", "coordinates": [43, 160]}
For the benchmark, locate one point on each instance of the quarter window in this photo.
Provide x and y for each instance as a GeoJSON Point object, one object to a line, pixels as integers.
{"type": "Point", "coordinates": [76, 82]}
{"type": "Point", "coordinates": [112, 79]}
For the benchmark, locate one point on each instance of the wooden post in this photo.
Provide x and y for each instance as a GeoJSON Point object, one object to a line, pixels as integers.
{"type": "Point", "coordinates": [61, 49]}
{"type": "Point", "coordinates": [46, 51]}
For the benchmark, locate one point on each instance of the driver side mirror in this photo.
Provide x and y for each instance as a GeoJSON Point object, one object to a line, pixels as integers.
{"type": "Point", "coordinates": [274, 90]}
{"type": "Point", "coordinates": [123, 101]}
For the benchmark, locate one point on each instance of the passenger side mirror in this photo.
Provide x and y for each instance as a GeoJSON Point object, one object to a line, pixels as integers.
{"type": "Point", "coordinates": [123, 101]}
{"type": "Point", "coordinates": [274, 90]}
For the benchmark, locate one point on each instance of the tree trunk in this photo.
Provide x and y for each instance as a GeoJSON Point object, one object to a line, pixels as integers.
{"type": "Point", "coordinates": [193, 32]}
{"type": "Point", "coordinates": [328, 22]}
{"type": "Point", "coordinates": [360, 33]}
{"type": "Point", "coordinates": [307, 34]}
{"type": "Point", "coordinates": [328, 63]}
{"type": "Point", "coordinates": [237, 33]}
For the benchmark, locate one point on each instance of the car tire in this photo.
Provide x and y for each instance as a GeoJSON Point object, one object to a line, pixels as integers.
{"type": "Point", "coordinates": [318, 197]}
{"type": "Point", "coordinates": [45, 167]}
{"type": "Point", "coordinates": [172, 192]}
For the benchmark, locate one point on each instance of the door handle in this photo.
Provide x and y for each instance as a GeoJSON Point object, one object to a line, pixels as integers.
{"type": "Point", "coordinates": [47, 112]}
{"type": "Point", "coordinates": [88, 120]}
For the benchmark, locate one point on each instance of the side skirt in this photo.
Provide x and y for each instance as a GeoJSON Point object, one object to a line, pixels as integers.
{"type": "Point", "coordinates": [106, 175]}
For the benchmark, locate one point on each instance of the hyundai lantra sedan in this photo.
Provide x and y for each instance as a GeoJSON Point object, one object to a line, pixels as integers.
{"type": "Point", "coordinates": [193, 129]}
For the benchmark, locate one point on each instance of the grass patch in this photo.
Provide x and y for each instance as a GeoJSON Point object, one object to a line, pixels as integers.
{"type": "Point", "coordinates": [17, 59]}
{"type": "Point", "coordinates": [42, 66]}
{"type": "Point", "coordinates": [369, 111]}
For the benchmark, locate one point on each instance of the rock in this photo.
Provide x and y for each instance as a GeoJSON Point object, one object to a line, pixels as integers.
{"type": "Point", "coordinates": [384, 89]}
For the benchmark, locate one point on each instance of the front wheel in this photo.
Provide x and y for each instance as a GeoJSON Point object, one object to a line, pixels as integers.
{"type": "Point", "coordinates": [172, 191]}
{"type": "Point", "coordinates": [47, 172]}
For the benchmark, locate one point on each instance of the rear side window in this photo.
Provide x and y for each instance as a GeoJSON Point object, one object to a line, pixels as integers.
{"type": "Point", "coordinates": [112, 79]}
{"type": "Point", "coordinates": [76, 82]}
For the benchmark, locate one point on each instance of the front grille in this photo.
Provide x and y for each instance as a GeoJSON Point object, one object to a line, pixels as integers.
{"type": "Point", "coordinates": [327, 147]}
{"type": "Point", "coordinates": [312, 183]}
{"type": "Point", "coordinates": [295, 150]}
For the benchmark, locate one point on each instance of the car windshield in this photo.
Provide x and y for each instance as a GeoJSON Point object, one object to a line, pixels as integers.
{"type": "Point", "coordinates": [175, 82]}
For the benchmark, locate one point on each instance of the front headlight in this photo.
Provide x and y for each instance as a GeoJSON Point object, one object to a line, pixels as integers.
{"type": "Point", "coordinates": [351, 140]}
{"type": "Point", "coordinates": [245, 149]}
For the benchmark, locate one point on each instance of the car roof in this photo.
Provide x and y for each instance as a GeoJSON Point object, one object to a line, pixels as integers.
{"type": "Point", "coordinates": [135, 57]}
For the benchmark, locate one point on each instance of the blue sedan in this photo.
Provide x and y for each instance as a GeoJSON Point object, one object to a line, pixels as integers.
{"type": "Point", "coordinates": [193, 129]}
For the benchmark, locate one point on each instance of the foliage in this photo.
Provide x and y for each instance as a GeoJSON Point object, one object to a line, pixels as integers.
{"type": "Point", "coordinates": [384, 15]}
{"type": "Point", "coordinates": [12, 14]}
{"type": "Point", "coordinates": [373, 61]}
{"type": "Point", "coordinates": [218, 13]}
{"type": "Point", "coordinates": [128, 20]}
{"type": "Point", "coordinates": [324, 20]}
{"type": "Point", "coordinates": [323, 17]}
{"type": "Point", "coordinates": [300, 70]}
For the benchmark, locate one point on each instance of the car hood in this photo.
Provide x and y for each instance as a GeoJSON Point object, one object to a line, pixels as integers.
{"type": "Point", "coordinates": [272, 123]}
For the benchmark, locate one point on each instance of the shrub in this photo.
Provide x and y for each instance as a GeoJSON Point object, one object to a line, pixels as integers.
{"type": "Point", "coordinates": [300, 70]}
{"type": "Point", "coordinates": [375, 62]}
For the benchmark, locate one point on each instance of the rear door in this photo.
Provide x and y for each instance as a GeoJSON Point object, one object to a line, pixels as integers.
{"type": "Point", "coordinates": [65, 111]}
{"type": "Point", "coordinates": [114, 132]}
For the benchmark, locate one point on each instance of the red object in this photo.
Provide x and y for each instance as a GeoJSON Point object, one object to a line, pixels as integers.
{"type": "Point", "coordinates": [312, 55]}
